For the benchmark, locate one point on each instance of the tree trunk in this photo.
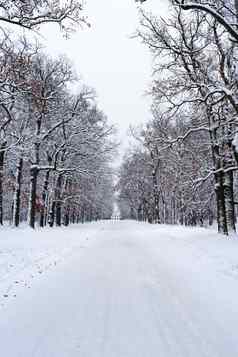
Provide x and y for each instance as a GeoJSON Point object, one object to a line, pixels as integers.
{"type": "Point", "coordinates": [236, 7]}
{"type": "Point", "coordinates": [44, 199]}
{"type": "Point", "coordinates": [32, 198]}
{"type": "Point", "coordinates": [221, 208]}
{"type": "Point", "coordinates": [229, 201]}
{"type": "Point", "coordinates": [2, 156]}
{"type": "Point", "coordinates": [72, 216]}
{"type": "Point", "coordinates": [52, 215]}
{"type": "Point", "coordinates": [82, 215]}
{"type": "Point", "coordinates": [58, 204]}
{"type": "Point", "coordinates": [156, 214]}
{"type": "Point", "coordinates": [66, 216]}
{"type": "Point", "coordinates": [17, 194]}
{"type": "Point", "coordinates": [218, 177]}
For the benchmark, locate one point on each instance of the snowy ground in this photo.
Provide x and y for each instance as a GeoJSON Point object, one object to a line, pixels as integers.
{"type": "Point", "coordinates": [118, 289]}
{"type": "Point", "coordinates": [26, 254]}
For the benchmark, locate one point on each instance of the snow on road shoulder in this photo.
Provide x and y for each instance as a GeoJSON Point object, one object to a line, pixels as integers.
{"type": "Point", "coordinates": [196, 247]}
{"type": "Point", "coordinates": [26, 255]}
{"type": "Point", "coordinates": [201, 260]}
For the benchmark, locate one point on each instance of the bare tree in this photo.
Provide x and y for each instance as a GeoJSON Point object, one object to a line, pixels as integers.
{"type": "Point", "coordinates": [31, 14]}
{"type": "Point", "coordinates": [195, 77]}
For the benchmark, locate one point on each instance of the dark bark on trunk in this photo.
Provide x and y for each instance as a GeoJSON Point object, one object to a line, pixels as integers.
{"type": "Point", "coordinates": [52, 215]}
{"type": "Point", "coordinates": [17, 194]}
{"type": "Point", "coordinates": [221, 208]}
{"type": "Point", "coordinates": [82, 215]}
{"type": "Point", "coordinates": [78, 218]}
{"type": "Point", "coordinates": [139, 213]}
{"type": "Point", "coordinates": [2, 157]}
{"type": "Point", "coordinates": [32, 199]}
{"type": "Point", "coordinates": [156, 213]}
{"type": "Point", "coordinates": [72, 218]}
{"type": "Point", "coordinates": [228, 159]}
{"type": "Point", "coordinates": [90, 217]}
{"type": "Point", "coordinates": [219, 188]}
{"type": "Point", "coordinates": [58, 205]}
{"type": "Point", "coordinates": [44, 199]}
{"type": "Point", "coordinates": [66, 216]}
{"type": "Point", "coordinates": [155, 163]}
{"type": "Point", "coordinates": [34, 171]}
{"type": "Point", "coordinates": [210, 218]}
{"type": "Point", "coordinates": [236, 7]}
{"type": "Point", "coordinates": [229, 201]}
{"type": "Point", "coordinates": [181, 209]}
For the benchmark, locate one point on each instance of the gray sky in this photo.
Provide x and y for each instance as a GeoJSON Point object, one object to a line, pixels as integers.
{"type": "Point", "coordinates": [118, 67]}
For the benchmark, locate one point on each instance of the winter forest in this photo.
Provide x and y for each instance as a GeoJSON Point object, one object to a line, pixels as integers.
{"type": "Point", "coordinates": [183, 167]}
{"type": "Point", "coordinates": [118, 178]}
{"type": "Point", "coordinates": [57, 146]}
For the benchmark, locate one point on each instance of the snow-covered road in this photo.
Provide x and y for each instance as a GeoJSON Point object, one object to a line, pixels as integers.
{"type": "Point", "coordinates": [129, 290]}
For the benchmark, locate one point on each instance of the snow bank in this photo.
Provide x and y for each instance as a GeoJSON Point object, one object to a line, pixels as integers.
{"type": "Point", "coordinates": [195, 248]}
{"type": "Point", "coordinates": [26, 254]}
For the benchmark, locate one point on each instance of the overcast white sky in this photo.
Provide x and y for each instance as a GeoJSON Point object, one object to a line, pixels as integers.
{"type": "Point", "coordinates": [118, 67]}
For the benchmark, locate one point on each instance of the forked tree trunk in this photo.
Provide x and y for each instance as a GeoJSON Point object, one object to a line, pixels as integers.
{"type": "Point", "coordinates": [17, 194]}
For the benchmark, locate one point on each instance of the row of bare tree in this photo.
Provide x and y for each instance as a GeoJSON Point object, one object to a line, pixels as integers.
{"type": "Point", "coordinates": [55, 146]}
{"type": "Point", "coordinates": [191, 141]}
